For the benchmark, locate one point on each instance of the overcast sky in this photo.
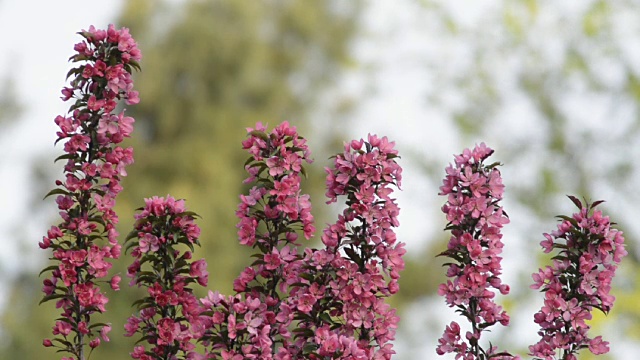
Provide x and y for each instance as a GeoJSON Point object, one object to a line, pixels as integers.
{"type": "Point", "coordinates": [37, 39]}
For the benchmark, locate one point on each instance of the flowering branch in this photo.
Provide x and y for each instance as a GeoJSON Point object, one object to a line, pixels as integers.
{"type": "Point", "coordinates": [166, 314]}
{"type": "Point", "coordinates": [86, 197]}
{"type": "Point", "coordinates": [340, 299]}
{"type": "Point", "coordinates": [255, 322]}
{"type": "Point", "coordinates": [324, 303]}
{"type": "Point", "coordinates": [579, 280]}
{"type": "Point", "coordinates": [475, 218]}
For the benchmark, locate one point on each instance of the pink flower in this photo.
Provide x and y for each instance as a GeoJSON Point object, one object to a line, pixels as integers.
{"type": "Point", "coordinates": [62, 327]}
{"type": "Point", "coordinates": [199, 270]}
{"type": "Point", "coordinates": [104, 331]}
{"type": "Point", "coordinates": [597, 346]}
{"type": "Point", "coordinates": [577, 282]}
{"type": "Point", "coordinates": [132, 325]}
{"type": "Point", "coordinates": [86, 208]}
{"type": "Point", "coordinates": [306, 302]}
{"type": "Point", "coordinates": [475, 218]}
{"type": "Point", "coordinates": [115, 281]}
{"type": "Point", "coordinates": [168, 330]}
{"type": "Point", "coordinates": [132, 98]}
{"type": "Point", "coordinates": [149, 242]}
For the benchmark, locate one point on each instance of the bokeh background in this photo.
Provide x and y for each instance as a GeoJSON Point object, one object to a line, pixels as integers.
{"type": "Point", "coordinates": [552, 86]}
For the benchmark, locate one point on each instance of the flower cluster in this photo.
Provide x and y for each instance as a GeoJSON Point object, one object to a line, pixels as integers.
{"type": "Point", "coordinates": [322, 304]}
{"type": "Point", "coordinates": [165, 315]}
{"type": "Point", "coordinates": [340, 300]}
{"type": "Point", "coordinates": [475, 219]}
{"type": "Point", "coordinates": [86, 196]}
{"type": "Point", "coordinates": [326, 303]}
{"type": "Point", "coordinates": [579, 280]}
{"type": "Point", "coordinates": [255, 322]}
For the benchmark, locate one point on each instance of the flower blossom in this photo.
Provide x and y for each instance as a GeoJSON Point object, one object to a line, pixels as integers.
{"type": "Point", "coordinates": [475, 219]}
{"type": "Point", "coordinates": [578, 282]}
{"type": "Point", "coordinates": [168, 317]}
{"type": "Point", "coordinates": [94, 167]}
{"type": "Point", "coordinates": [271, 217]}
{"type": "Point", "coordinates": [342, 288]}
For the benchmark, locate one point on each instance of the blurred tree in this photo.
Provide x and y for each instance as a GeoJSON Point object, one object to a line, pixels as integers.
{"type": "Point", "coordinates": [554, 88]}
{"type": "Point", "coordinates": [10, 111]}
{"type": "Point", "coordinates": [210, 69]}
{"type": "Point", "coordinates": [10, 107]}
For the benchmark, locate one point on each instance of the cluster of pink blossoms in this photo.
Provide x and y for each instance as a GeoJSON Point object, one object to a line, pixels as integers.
{"type": "Point", "coordinates": [86, 197]}
{"type": "Point", "coordinates": [166, 314]}
{"type": "Point", "coordinates": [578, 281]}
{"type": "Point", "coordinates": [322, 304]}
{"type": "Point", "coordinates": [475, 219]}
{"type": "Point", "coordinates": [316, 304]}
{"type": "Point", "coordinates": [340, 300]}
{"type": "Point", "coordinates": [255, 322]}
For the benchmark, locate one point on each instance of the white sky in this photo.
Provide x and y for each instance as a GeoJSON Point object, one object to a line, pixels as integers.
{"type": "Point", "coordinates": [37, 39]}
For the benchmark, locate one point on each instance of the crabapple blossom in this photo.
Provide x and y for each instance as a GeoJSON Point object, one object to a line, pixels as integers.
{"type": "Point", "coordinates": [165, 315]}
{"type": "Point", "coordinates": [578, 281]}
{"type": "Point", "coordinates": [292, 302]}
{"type": "Point", "coordinates": [94, 167]}
{"type": "Point", "coordinates": [475, 218]}
{"type": "Point", "coordinates": [339, 298]}
{"type": "Point", "coordinates": [255, 322]}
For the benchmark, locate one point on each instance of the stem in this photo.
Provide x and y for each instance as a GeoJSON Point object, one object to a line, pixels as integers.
{"type": "Point", "coordinates": [472, 313]}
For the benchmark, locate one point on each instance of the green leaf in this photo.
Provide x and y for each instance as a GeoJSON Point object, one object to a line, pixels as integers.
{"type": "Point", "coordinates": [326, 318]}
{"type": "Point", "coordinates": [130, 245]}
{"type": "Point", "coordinates": [573, 221]}
{"type": "Point", "coordinates": [74, 71]}
{"type": "Point", "coordinates": [259, 134]}
{"type": "Point", "coordinates": [138, 302]}
{"type": "Point", "coordinates": [52, 297]}
{"type": "Point", "coordinates": [135, 64]}
{"type": "Point", "coordinates": [48, 268]}
{"type": "Point", "coordinates": [98, 325]}
{"type": "Point", "coordinates": [353, 255]}
{"type": "Point", "coordinates": [307, 276]}
{"type": "Point", "coordinates": [65, 157]}
{"type": "Point", "coordinates": [189, 213]}
{"type": "Point", "coordinates": [56, 192]}
{"type": "Point", "coordinates": [132, 234]}
{"type": "Point", "coordinates": [63, 342]}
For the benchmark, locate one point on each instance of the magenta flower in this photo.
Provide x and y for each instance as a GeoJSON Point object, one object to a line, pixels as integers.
{"type": "Point", "coordinates": [93, 170]}
{"type": "Point", "coordinates": [578, 282]}
{"type": "Point", "coordinates": [169, 317]}
{"type": "Point", "coordinates": [271, 217]}
{"type": "Point", "coordinates": [475, 218]}
{"type": "Point", "coordinates": [341, 293]}
{"type": "Point", "coordinates": [198, 271]}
